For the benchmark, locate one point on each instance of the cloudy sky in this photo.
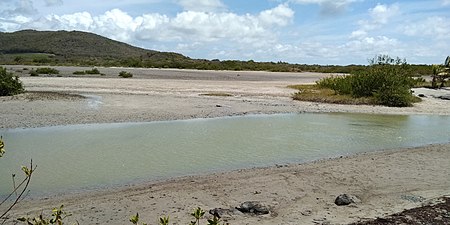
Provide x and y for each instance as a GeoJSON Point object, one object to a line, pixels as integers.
{"type": "Point", "coordinates": [296, 31]}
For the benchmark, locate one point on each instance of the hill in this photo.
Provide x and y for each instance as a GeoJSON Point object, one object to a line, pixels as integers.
{"type": "Point", "coordinates": [73, 47]}
{"type": "Point", "coordinates": [88, 49]}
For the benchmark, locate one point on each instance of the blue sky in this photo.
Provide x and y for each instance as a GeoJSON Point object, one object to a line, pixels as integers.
{"type": "Point", "coordinates": [297, 31]}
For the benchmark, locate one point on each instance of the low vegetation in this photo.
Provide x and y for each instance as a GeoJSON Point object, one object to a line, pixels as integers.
{"type": "Point", "coordinates": [18, 189]}
{"type": "Point", "coordinates": [315, 93]}
{"type": "Point", "coordinates": [386, 81]}
{"type": "Point", "coordinates": [9, 84]}
{"type": "Point", "coordinates": [441, 74]}
{"type": "Point", "coordinates": [92, 71]}
{"type": "Point", "coordinates": [47, 70]}
{"type": "Point", "coordinates": [198, 215]}
{"type": "Point", "coordinates": [33, 73]}
{"type": "Point", "coordinates": [125, 74]}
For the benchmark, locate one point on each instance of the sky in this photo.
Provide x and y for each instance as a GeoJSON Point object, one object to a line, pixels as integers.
{"type": "Point", "coordinates": [327, 32]}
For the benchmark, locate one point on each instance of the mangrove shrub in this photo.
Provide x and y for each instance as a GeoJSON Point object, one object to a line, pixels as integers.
{"type": "Point", "coordinates": [9, 84]}
{"type": "Point", "coordinates": [387, 80]}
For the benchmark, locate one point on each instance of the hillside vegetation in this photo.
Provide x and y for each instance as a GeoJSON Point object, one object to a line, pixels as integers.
{"type": "Point", "coordinates": [87, 49]}
{"type": "Point", "coordinates": [73, 47]}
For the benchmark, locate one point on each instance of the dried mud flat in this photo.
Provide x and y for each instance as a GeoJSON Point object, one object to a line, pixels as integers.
{"type": "Point", "coordinates": [386, 182]}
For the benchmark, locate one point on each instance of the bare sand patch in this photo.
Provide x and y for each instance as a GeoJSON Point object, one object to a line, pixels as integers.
{"type": "Point", "coordinates": [180, 95]}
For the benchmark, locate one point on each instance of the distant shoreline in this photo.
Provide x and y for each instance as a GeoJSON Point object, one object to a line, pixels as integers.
{"type": "Point", "coordinates": [160, 95]}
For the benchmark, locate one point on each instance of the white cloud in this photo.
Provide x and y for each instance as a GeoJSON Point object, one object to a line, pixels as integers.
{"type": "Point", "coordinates": [380, 16]}
{"type": "Point", "coordinates": [436, 28]}
{"type": "Point", "coordinates": [187, 26]}
{"type": "Point", "coordinates": [78, 21]}
{"type": "Point", "coordinates": [202, 5]}
{"type": "Point", "coordinates": [281, 15]}
{"type": "Point", "coordinates": [382, 13]}
{"type": "Point", "coordinates": [373, 45]}
{"type": "Point", "coordinates": [445, 2]}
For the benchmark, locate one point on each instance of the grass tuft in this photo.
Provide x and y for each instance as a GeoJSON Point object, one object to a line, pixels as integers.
{"type": "Point", "coordinates": [314, 93]}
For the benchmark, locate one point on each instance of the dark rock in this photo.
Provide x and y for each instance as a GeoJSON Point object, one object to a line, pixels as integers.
{"type": "Point", "coordinates": [253, 207]}
{"type": "Point", "coordinates": [345, 199]}
{"type": "Point", "coordinates": [220, 213]}
{"type": "Point", "coordinates": [422, 95]}
{"type": "Point", "coordinates": [444, 97]}
{"type": "Point", "coordinates": [218, 106]}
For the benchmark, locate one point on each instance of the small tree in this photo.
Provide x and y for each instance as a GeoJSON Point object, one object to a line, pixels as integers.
{"type": "Point", "coordinates": [9, 84]}
{"type": "Point", "coordinates": [18, 190]}
{"type": "Point", "coordinates": [440, 74]}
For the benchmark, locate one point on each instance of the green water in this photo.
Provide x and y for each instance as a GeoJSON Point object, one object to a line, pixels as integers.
{"type": "Point", "coordinates": [85, 157]}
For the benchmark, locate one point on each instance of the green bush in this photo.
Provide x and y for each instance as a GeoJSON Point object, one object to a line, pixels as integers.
{"type": "Point", "coordinates": [33, 73]}
{"type": "Point", "coordinates": [125, 74]}
{"type": "Point", "coordinates": [47, 70]}
{"type": "Point", "coordinates": [79, 73]}
{"type": "Point", "coordinates": [388, 80]}
{"type": "Point", "coordinates": [9, 84]}
{"type": "Point", "coordinates": [93, 71]}
{"type": "Point", "coordinates": [394, 96]}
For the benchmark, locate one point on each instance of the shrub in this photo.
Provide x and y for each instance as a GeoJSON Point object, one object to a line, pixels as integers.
{"type": "Point", "coordinates": [79, 73]}
{"type": "Point", "coordinates": [394, 96]}
{"type": "Point", "coordinates": [93, 71]}
{"type": "Point", "coordinates": [9, 84]}
{"type": "Point", "coordinates": [125, 74]}
{"type": "Point", "coordinates": [33, 73]}
{"type": "Point", "coordinates": [388, 80]}
{"type": "Point", "coordinates": [47, 70]}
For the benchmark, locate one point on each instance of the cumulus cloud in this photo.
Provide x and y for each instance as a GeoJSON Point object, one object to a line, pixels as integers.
{"type": "Point", "coordinates": [202, 5]}
{"type": "Point", "coordinates": [380, 15]}
{"type": "Point", "coordinates": [328, 7]}
{"type": "Point", "coordinates": [189, 26]}
{"type": "Point", "coordinates": [434, 27]}
{"type": "Point", "coordinates": [281, 15]}
{"type": "Point", "coordinates": [373, 45]}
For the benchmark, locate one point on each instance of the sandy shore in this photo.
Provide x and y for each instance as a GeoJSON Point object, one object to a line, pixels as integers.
{"type": "Point", "coordinates": [386, 182]}
{"type": "Point", "coordinates": [155, 94]}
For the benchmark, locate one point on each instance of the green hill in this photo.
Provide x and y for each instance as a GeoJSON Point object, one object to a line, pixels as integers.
{"type": "Point", "coordinates": [73, 47]}
{"type": "Point", "coordinates": [87, 49]}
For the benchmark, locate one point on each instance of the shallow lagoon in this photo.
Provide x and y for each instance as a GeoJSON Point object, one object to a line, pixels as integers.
{"type": "Point", "coordinates": [87, 157]}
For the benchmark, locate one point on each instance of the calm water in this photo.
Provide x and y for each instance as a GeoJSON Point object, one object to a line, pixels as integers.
{"type": "Point", "coordinates": [81, 157]}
